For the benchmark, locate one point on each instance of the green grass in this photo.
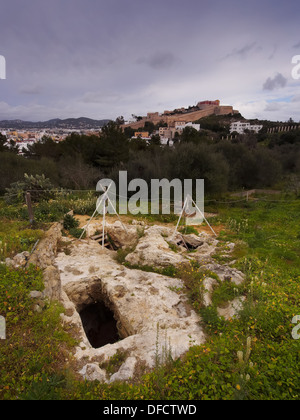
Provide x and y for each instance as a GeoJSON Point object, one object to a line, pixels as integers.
{"type": "Point", "coordinates": [16, 237]}
{"type": "Point", "coordinates": [34, 353]}
{"type": "Point", "coordinates": [188, 230]}
{"type": "Point", "coordinates": [169, 271]}
{"type": "Point", "coordinates": [269, 254]}
{"type": "Point", "coordinates": [268, 235]}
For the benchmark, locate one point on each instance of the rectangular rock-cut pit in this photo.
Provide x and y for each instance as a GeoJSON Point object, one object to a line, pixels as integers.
{"type": "Point", "coordinates": [99, 317]}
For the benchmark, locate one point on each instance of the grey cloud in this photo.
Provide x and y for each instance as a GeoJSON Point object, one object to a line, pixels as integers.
{"type": "Point", "coordinates": [297, 45]}
{"type": "Point", "coordinates": [272, 55]}
{"type": "Point", "coordinates": [273, 106]}
{"type": "Point", "coordinates": [241, 52]}
{"type": "Point", "coordinates": [100, 98]}
{"type": "Point", "coordinates": [279, 81]}
{"type": "Point", "coordinates": [104, 57]}
{"type": "Point", "coordinates": [159, 60]}
{"type": "Point", "coordinates": [30, 90]}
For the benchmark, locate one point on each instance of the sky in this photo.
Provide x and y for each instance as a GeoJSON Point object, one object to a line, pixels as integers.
{"type": "Point", "coordinates": [106, 58]}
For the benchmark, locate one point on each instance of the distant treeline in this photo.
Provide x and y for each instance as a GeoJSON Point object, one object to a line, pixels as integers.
{"type": "Point", "coordinates": [249, 161]}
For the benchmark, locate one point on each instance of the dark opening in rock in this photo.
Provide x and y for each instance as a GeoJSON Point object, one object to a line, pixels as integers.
{"type": "Point", "coordinates": [108, 242]}
{"type": "Point", "coordinates": [189, 242]}
{"type": "Point", "coordinates": [99, 325]}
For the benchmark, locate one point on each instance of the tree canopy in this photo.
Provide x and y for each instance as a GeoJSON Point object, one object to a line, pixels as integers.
{"type": "Point", "coordinates": [246, 161]}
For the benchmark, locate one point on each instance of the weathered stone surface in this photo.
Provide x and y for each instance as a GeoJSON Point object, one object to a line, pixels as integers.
{"type": "Point", "coordinates": [209, 284]}
{"type": "Point", "coordinates": [18, 261]}
{"type": "Point", "coordinates": [232, 309]}
{"type": "Point", "coordinates": [192, 241]}
{"type": "Point", "coordinates": [154, 250]}
{"type": "Point", "coordinates": [123, 238]}
{"type": "Point", "coordinates": [92, 372]}
{"type": "Point", "coordinates": [204, 253]}
{"type": "Point", "coordinates": [227, 273]}
{"type": "Point", "coordinates": [37, 309]}
{"type": "Point", "coordinates": [44, 258]}
{"type": "Point", "coordinates": [152, 319]}
{"type": "Point", "coordinates": [45, 253]}
{"type": "Point", "coordinates": [35, 294]}
{"type": "Point", "coordinates": [52, 283]}
{"type": "Point", "coordinates": [126, 371]}
{"type": "Point", "coordinates": [150, 315]}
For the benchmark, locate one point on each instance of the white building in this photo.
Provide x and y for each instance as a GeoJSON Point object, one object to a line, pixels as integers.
{"type": "Point", "coordinates": [240, 127]}
{"type": "Point", "coordinates": [166, 141]}
{"type": "Point", "coordinates": [181, 125]}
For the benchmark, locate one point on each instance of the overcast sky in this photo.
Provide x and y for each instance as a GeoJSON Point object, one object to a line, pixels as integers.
{"type": "Point", "coordinates": [105, 58]}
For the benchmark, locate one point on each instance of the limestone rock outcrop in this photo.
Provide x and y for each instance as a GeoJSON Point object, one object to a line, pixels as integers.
{"type": "Point", "coordinates": [150, 314]}
{"type": "Point", "coordinates": [46, 251]}
{"type": "Point", "coordinates": [153, 249]}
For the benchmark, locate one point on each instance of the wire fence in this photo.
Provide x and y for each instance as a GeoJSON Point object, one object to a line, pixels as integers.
{"type": "Point", "coordinates": [67, 192]}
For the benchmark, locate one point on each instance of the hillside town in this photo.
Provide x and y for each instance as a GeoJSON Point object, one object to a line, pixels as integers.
{"type": "Point", "coordinates": [172, 123]}
{"type": "Point", "coordinates": [167, 134]}
{"type": "Point", "coordinates": [167, 127]}
{"type": "Point", "coordinates": [25, 138]}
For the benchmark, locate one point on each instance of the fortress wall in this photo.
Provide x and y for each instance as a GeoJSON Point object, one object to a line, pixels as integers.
{"type": "Point", "coordinates": [189, 117]}
{"type": "Point", "coordinates": [224, 110]}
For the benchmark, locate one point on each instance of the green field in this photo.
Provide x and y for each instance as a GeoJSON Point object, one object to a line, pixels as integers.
{"type": "Point", "coordinates": [253, 357]}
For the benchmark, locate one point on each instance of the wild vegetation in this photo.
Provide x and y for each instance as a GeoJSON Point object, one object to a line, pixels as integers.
{"type": "Point", "coordinates": [247, 161]}
{"type": "Point", "coordinates": [250, 357]}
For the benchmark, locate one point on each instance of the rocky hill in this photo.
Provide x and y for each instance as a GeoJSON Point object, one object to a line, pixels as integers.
{"type": "Point", "coordinates": [69, 123]}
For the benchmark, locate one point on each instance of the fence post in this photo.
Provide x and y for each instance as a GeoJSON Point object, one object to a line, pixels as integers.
{"type": "Point", "coordinates": [29, 207]}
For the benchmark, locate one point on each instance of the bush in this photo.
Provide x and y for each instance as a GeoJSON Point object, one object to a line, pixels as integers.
{"type": "Point", "coordinates": [50, 211]}
{"type": "Point", "coordinates": [70, 222]}
{"type": "Point", "coordinates": [76, 232]}
{"type": "Point", "coordinates": [192, 161]}
{"type": "Point", "coordinates": [39, 187]}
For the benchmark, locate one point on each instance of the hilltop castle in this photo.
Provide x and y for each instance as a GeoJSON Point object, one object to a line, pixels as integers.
{"type": "Point", "coordinates": [185, 115]}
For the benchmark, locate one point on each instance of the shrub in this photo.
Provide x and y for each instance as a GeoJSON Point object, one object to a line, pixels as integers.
{"type": "Point", "coordinates": [50, 211]}
{"type": "Point", "coordinates": [192, 277]}
{"type": "Point", "coordinates": [76, 233]}
{"type": "Point", "coordinates": [188, 230]}
{"type": "Point", "coordinates": [122, 254]}
{"type": "Point", "coordinates": [39, 187]}
{"type": "Point", "coordinates": [70, 222]}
